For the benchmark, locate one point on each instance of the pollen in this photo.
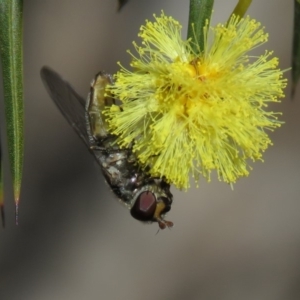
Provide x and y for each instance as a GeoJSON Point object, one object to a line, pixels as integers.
{"type": "Point", "coordinates": [188, 114]}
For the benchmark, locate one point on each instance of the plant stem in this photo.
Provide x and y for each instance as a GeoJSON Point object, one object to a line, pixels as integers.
{"type": "Point", "coordinates": [200, 13]}
{"type": "Point", "coordinates": [241, 8]}
{"type": "Point", "coordinates": [296, 47]}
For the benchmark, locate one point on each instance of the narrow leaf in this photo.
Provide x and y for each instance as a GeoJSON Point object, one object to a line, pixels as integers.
{"type": "Point", "coordinates": [200, 13]}
{"type": "Point", "coordinates": [241, 8]}
{"type": "Point", "coordinates": [121, 3]}
{"type": "Point", "coordinates": [11, 34]}
{"type": "Point", "coordinates": [296, 47]}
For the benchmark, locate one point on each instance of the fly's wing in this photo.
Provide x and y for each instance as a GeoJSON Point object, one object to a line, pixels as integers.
{"type": "Point", "coordinates": [71, 105]}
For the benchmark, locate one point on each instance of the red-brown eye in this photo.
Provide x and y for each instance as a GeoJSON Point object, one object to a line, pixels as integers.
{"type": "Point", "coordinates": [144, 207]}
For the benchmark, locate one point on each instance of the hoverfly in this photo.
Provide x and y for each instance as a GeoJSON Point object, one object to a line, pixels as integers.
{"type": "Point", "coordinates": [147, 198]}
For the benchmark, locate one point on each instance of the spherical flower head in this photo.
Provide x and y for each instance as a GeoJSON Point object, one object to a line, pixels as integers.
{"type": "Point", "coordinates": [186, 113]}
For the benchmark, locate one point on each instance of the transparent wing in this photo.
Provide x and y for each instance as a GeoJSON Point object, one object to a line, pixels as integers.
{"type": "Point", "coordinates": [71, 105]}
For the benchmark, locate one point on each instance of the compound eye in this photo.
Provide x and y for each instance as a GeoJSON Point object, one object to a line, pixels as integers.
{"type": "Point", "coordinates": [144, 207]}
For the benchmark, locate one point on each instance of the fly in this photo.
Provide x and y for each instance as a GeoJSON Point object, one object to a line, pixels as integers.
{"type": "Point", "coordinates": [147, 198]}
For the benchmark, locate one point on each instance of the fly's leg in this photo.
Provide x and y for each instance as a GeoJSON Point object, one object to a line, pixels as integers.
{"type": "Point", "coordinates": [98, 148]}
{"type": "Point", "coordinates": [107, 150]}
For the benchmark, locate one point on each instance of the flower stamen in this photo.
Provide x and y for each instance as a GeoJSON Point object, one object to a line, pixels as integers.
{"type": "Point", "coordinates": [188, 113]}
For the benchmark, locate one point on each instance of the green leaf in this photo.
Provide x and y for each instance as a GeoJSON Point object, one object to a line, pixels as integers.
{"type": "Point", "coordinates": [200, 13]}
{"type": "Point", "coordinates": [241, 8]}
{"type": "Point", "coordinates": [296, 48]}
{"type": "Point", "coordinates": [11, 38]}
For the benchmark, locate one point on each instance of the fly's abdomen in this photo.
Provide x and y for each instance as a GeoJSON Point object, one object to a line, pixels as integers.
{"type": "Point", "coordinates": [96, 103]}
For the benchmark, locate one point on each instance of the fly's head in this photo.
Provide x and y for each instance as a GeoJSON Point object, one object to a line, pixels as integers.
{"type": "Point", "coordinates": [152, 202]}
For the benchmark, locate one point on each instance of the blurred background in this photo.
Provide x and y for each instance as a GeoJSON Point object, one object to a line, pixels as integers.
{"type": "Point", "coordinates": [75, 241]}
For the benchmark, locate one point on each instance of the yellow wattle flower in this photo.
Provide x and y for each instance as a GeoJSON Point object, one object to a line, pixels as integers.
{"type": "Point", "coordinates": [187, 113]}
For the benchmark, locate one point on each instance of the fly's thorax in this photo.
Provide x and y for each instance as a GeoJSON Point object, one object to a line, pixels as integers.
{"type": "Point", "coordinates": [150, 203]}
{"type": "Point", "coordinates": [97, 101]}
{"type": "Point", "coordinates": [114, 165]}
